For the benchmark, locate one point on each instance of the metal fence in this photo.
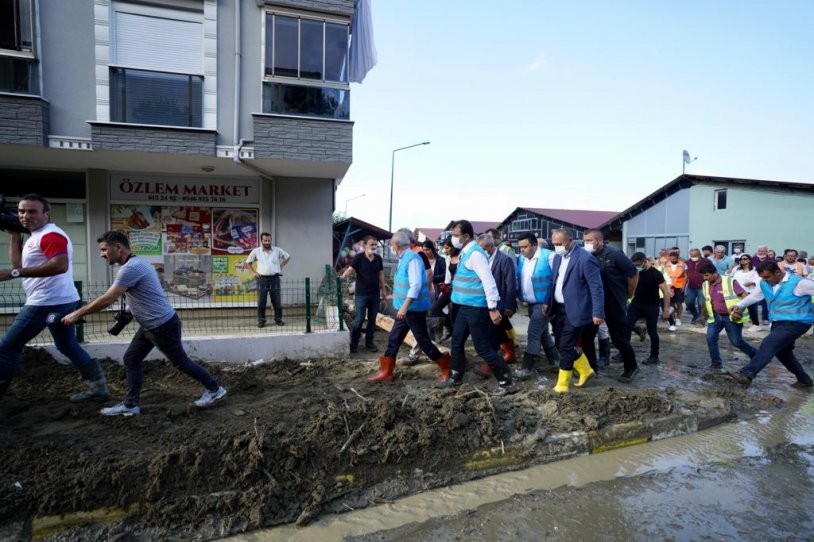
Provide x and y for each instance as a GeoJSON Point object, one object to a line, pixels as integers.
{"type": "Point", "coordinates": [308, 306]}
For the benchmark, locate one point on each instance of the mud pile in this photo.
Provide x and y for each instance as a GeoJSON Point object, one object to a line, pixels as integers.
{"type": "Point", "coordinates": [291, 440]}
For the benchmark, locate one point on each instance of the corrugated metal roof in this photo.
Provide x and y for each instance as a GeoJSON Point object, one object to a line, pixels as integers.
{"type": "Point", "coordinates": [587, 219]}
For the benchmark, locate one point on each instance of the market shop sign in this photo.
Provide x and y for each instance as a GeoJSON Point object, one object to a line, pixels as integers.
{"type": "Point", "coordinates": [180, 190]}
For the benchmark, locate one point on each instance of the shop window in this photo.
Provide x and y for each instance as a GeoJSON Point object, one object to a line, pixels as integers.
{"type": "Point", "coordinates": [18, 66]}
{"type": "Point", "coordinates": [720, 199]}
{"type": "Point", "coordinates": [306, 67]}
{"type": "Point", "coordinates": [147, 85]}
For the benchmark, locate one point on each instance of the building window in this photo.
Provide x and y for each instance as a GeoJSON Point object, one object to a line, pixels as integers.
{"type": "Point", "coordinates": [148, 85]}
{"type": "Point", "coordinates": [18, 66]}
{"type": "Point", "coordinates": [306, 67]}
{"type": "Point", "coordinates": [147, 97]}
{"type": "Point", "coordinates": [521, 225]}
{"type": "Point", "coordinates": [720, 199]}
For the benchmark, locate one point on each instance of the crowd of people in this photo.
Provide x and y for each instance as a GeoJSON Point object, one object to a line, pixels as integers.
{"type": "Point", "coordinates": [575, 297]}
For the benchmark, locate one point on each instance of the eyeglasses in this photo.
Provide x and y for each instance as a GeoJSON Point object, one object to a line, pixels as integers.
{"type": "Point", "coordinates": [746, 259]}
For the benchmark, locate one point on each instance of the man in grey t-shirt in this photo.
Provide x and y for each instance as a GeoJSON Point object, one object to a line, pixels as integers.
{"type": "Point", "coordinates": [138, 282]}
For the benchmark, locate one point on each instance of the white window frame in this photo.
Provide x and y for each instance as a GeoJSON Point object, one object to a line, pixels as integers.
{"type": "Point", "coordinates": [164, 13]}
{"type": "Point", "coordinates": [265, 78]}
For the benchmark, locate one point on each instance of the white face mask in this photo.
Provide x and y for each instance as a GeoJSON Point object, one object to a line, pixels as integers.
{"type": "Point", "coordinates": [695, 258]}
{"type": "Point", "coordinates": [560, 249]}
{"type": "Point", "coordinates": [370, 251]}
{"type": "Point", "coordinates": [456, 242]}
{"type": "Point", "coordinates": [393, 252]}
{"type": "Point", "coordinates": [589, 247]}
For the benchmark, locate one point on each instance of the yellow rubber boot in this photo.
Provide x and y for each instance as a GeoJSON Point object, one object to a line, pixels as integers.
{"type": "Point", "coordinates": [512, 334]}
{"type": "Point", "coordinates": [563, 382]}
{"type": "Point", "coordinates": [584, 369]}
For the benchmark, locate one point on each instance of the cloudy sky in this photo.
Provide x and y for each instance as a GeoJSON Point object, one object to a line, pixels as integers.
{"type": "Point", "coordinates": [574, 104]}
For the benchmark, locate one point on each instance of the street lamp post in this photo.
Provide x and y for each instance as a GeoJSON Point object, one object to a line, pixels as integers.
{"type": "Point", "coordinates": [351, 199]}
{"type": "Point", "coordinates": [392, 171]}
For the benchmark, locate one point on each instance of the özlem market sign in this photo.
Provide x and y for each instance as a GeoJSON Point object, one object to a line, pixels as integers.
{"type": "Point", "coordinates": [181, 190]}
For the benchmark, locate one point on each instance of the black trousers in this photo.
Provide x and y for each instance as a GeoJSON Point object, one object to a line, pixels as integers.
{"type": "Point", "coordinates": [650, 313]}
{"type": "Point", "coordinates": [417, 323]}
{"type": "Point", "coordinates": [269, 286]}
{"type": "Point", "coordinates": [616, 320]}
{"type": "Point", "coordinates": [497, 333]}
{"type": "Point", "coordinates": [568, 337]}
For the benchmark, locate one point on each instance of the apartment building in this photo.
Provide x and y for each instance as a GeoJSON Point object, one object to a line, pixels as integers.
{"type": "Point", "coordinates": [193, 125]}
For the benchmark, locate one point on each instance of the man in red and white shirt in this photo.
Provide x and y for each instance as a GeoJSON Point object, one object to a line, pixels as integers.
{"type": "Point", "coordinates": [44, 265]}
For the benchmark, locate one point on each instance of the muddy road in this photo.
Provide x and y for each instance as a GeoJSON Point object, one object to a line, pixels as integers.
{"type": "Point", "coordinates": [296, 439]}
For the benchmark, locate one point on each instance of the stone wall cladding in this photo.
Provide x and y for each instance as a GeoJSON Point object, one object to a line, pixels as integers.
{"type": "Point", "coordinates": [24, 120]}
{"type": "Point", "coordinates": [286, 138]}
{"type": "Point", "coordinates": [108, 137]}
{"type": "Point", "coordinates": [341, 7]}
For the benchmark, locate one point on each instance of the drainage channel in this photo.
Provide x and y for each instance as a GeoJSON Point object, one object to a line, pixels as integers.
{"type": "Point", "coordinates": [727, 443]}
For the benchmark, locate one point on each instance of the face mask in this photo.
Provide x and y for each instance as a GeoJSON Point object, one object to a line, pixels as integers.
{"type": "Point", "coordinates": [589, 247]}
{"type": "Point", "coordinates": [560, 249]}
{"type": "Point", "coordinates": [394, 253]}
{"type": "Point", "coordinates": [640, 268]}
{"type": "Point", "coordinates": [695, 258]}
{"type": "Point", "coordinates": [737, 251]}
{"type": "Point", "coordinates": [456, 242]}
{"type": "Point", "coordinates": [371, 251]}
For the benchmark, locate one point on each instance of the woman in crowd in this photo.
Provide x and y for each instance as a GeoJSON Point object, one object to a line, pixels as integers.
{"type": "Point", "coordinates": [746, 275]}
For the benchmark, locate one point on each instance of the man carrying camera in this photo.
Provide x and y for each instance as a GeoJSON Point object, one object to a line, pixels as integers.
{"type": "Point", "coordinates": [138, 282]}
{"type": "Point", "coordinates": [43, 263]}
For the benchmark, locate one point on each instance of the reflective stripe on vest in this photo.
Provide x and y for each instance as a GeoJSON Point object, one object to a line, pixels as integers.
{"type": "Point", "coordinates": [541, 278]}
{"type": "Point", "coordinates": [784, 305]}
{"type": "Point", "coordinates": [467, 288]}
{"type": "Point", "coordinates": [401, 285]}
{"type": "Point", "coordinates": [730, 299]}
{"type": "Point", "coordinates": [676, 275]}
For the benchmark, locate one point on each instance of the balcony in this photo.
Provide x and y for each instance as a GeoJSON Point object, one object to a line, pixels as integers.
{"type": "Point", "coordinates": [24, 120]}
{"type": "Point", "coordinates": [295, 138]}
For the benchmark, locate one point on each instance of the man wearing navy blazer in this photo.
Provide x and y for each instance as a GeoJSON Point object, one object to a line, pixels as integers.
{"type": "Point", "coordinates": [503, 270]}
{"type": "Point", "coordinates": [576, 298]}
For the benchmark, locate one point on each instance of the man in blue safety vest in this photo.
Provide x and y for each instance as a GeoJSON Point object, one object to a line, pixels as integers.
{"type": "Point", "coordinates": [791, 312]}
{"type": "Point", "coordinates": [411, 298]}
{"type": "Point", "coordinates": [475, 293]}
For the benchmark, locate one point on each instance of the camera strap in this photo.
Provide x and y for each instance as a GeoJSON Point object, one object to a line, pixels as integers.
{"type": "Point", "coordinates": [122, 304]}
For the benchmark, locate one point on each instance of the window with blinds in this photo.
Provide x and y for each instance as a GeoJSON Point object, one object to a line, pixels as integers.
{"type": "Point", "coordinates": [156, 72]}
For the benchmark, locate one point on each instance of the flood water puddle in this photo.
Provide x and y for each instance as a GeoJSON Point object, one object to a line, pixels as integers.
{"type": "Point", "coordinates": [685, 487]}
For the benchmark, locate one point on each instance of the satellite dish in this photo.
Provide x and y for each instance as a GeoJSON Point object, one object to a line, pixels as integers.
{"type": "Point", "coordinates": [686, 156]}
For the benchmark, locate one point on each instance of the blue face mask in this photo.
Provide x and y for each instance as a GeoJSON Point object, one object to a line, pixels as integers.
{"type": "Point", "coordinates": [640, 268]}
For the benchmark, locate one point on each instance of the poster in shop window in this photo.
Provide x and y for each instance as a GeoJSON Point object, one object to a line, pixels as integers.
{"type": "Point", "coordinates": [189, 277]}
{"type": "Point", "coordinates": [234, 231]}
{"type": "Point", "coordinates": [141, 224]}
{"type": "Point", "coordinates": [187, 230]}
{"type": "Point", "coordinates": [232, 279]}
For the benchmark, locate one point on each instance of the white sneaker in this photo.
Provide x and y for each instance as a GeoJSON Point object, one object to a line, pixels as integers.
{"type": "Point", "coordinates": [672, 328]}
{"type": "Point", "coordinates": [210, 397]}
{"type": "Point", "coordinates": [678, 322]}
{"type": "Point", "coordinates": [120, 410]}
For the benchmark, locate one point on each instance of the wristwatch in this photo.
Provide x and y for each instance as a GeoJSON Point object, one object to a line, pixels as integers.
{"type": "Point", "coordinates": [492, 309]}
{"type": "Point", "coordinates": [15, 273]}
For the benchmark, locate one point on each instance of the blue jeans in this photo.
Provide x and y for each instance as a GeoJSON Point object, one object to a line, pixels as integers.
{"type": "Point", "coordinates": [475, 321]}
{"type": "Point", "coordinates": [735, 333]}
{"type": "Point", "coordinates": [538, 334]}
{"type": "Point", "coordinates": [779, 342]}
{"type": "Point", "coordinates": [694, 298]}
{"type": "Point", "coordinates": [365, 304]}
{"type": "Point", "coordinates": [167, 338]}
{"type": "Point", "coordinates": [30, 321]}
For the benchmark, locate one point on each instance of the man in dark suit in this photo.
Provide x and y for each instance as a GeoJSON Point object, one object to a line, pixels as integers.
{"type": "Point", "coordinates": [577, 303]}
{"type": "Point", "coordinates": [503, 270]}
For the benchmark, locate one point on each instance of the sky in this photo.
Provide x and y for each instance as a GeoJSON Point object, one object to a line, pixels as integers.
{"type": "Point", "coordinates": [574, 104]}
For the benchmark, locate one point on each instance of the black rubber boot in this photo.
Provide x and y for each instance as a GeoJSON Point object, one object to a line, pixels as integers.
{"type": "Point", "coordinates": [604, 353]}
{"type": "Point", "coordinates": [553, 355]}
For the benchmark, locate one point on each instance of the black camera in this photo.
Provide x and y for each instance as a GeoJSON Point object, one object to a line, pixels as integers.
{"type": "Point", "coordinates": [9, 221]}
{"type": "Point", "coordinates": [122, 318]}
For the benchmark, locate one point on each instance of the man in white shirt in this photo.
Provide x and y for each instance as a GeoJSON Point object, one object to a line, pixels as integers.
{"type": "Point", "coordinates": [791, 312]}
{"type": "Point", "coordinates": [475, 293]}
{"type": "Point", "coordinates": [270, 263]}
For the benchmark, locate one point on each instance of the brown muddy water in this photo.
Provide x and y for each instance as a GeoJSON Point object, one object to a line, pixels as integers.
{"type": "Point", "coordinates": [749, 480]}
